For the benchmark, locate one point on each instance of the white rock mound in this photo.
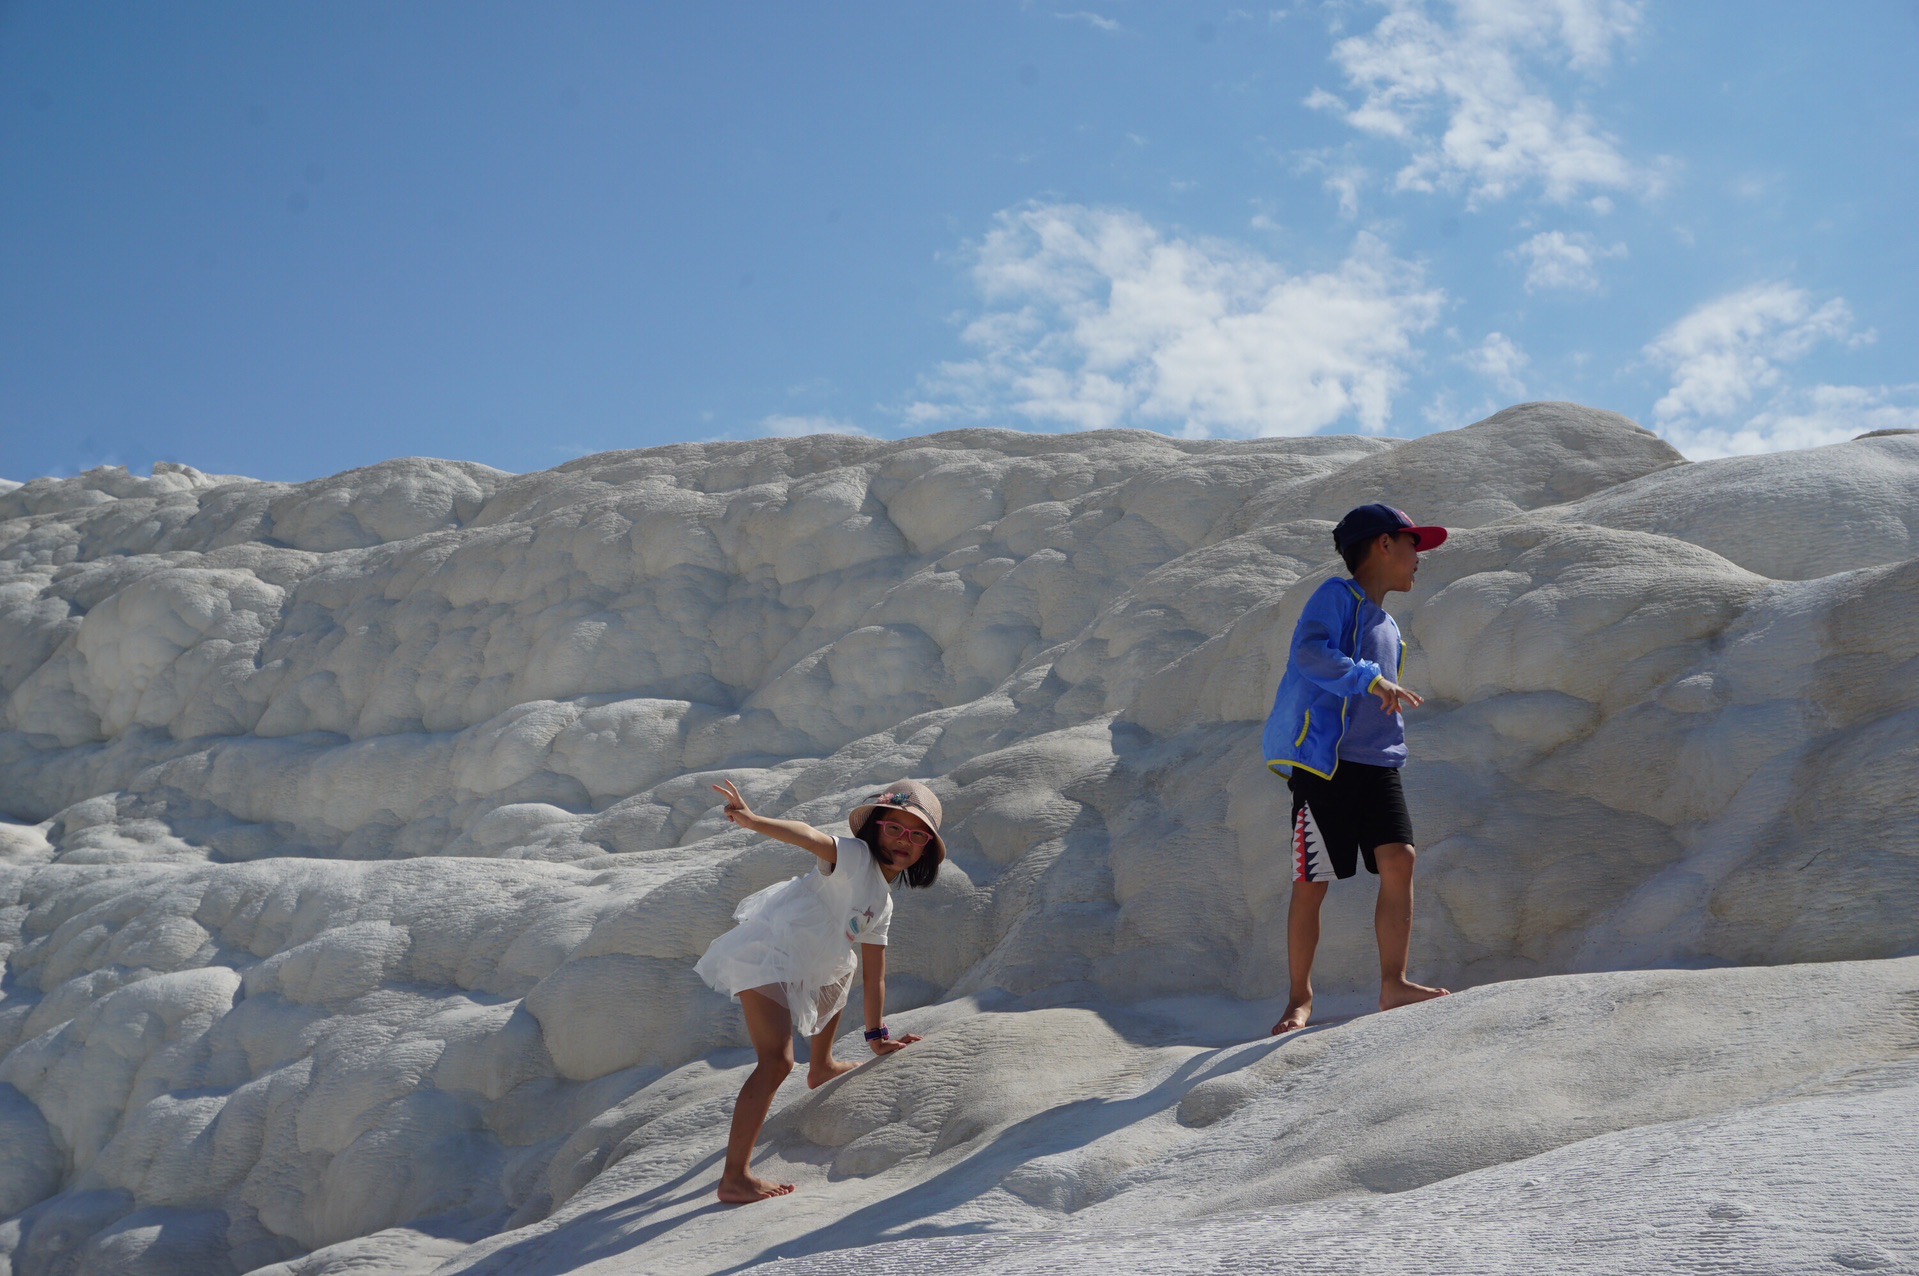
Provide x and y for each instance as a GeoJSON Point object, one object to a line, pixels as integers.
{"type": "Point", "coordinates": [359, 842]}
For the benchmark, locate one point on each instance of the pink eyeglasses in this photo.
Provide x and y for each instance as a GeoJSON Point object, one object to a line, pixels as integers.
{"type": "Point", "coordinates": [916, 837]}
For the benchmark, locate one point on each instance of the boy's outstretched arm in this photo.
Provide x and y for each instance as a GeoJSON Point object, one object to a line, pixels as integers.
{"type": "Point", "coordinates": [1317, 656]}
{"type": "Point", "coordinates": [792, 832]}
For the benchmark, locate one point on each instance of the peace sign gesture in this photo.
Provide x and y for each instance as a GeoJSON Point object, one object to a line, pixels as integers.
{"type": "Point", "coordinates": [736, 808]}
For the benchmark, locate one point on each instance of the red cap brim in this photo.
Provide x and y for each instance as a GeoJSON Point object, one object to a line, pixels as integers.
{"type": "Point", "coordinates": [1425, 538]}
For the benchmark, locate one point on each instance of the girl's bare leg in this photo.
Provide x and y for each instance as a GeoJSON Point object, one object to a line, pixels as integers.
{"type": "Point", "coordinates": [822, 1066]}
{"type": "Point", "coordinates": [771, 1029]}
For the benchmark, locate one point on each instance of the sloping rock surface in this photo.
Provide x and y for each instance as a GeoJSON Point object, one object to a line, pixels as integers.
{"type": "Point", "coordinates": [359, 842]}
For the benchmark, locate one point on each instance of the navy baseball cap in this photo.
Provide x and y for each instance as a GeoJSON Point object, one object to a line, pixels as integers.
{"type": "Point", "coordinates": [1368, 521]}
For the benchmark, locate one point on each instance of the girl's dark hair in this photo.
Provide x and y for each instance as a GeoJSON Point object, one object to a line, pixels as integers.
{"type": "Point", "coordinates": [923, 870]}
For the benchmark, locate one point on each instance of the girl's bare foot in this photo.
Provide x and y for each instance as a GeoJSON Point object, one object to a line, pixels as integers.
{"type": "Point", "coordinates": [818, 1074]}
{"type": "Point", "coordinates": [1298, 1011]}
{"type": "Point", "coordinates": [1404, 992]}
{"type": "Point", "coordinates": [749, 1188]}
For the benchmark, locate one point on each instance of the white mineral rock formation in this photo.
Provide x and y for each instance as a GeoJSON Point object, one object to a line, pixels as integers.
{"type": "Point", "coordinates": [358, 845]}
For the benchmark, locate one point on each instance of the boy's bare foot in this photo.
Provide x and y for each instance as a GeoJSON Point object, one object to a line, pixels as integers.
{"type": "Point", "coordinates": [750, 1188]}
{"type": "Point", "coordinates": [1297, 1013]}
{"type": "Point", "coordinates": [1404, 992]}
{"type": "Point", "coordinates": [819, 1074]}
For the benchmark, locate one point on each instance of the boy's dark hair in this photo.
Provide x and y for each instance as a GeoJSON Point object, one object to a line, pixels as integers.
{"type": "Point", "coordinates": [922, 871]}
{"type": "Point", "coordinates": [1355, 554]}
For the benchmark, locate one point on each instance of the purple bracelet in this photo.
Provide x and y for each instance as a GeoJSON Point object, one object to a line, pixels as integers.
{"type": "Point", "coordinates": [878, 1034]}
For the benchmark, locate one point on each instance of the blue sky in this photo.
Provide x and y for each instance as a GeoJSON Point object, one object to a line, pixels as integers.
{"type": "Point", "coordinates": [287, 239]}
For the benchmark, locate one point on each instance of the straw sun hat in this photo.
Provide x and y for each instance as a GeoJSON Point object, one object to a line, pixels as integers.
{"type": "Point", "coordinates": [902, 795]}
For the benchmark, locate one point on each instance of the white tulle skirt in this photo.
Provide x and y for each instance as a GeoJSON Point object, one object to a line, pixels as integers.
{"type": "Point", "coordinates": [788, 946]}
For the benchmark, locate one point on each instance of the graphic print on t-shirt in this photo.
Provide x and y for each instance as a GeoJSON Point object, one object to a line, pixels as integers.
{"type": "Point", "coordinates": [860, 898]}
{"type": "Point", "coordinates": [1372, 735]}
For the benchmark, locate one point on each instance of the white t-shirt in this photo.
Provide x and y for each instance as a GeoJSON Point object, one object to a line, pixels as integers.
{"type": "Point", "coordinates": [857, 893]}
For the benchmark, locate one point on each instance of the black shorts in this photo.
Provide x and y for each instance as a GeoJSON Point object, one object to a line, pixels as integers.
{"type": "Point", "coordinates": [1337, 821]}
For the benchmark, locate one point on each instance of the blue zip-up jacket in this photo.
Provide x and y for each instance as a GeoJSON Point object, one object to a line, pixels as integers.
{"type": "Point", "coordinates": [1322, 672]}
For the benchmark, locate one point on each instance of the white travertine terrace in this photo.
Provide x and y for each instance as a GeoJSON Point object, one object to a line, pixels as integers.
{"type": "Point", "coordinates": [358, 845]}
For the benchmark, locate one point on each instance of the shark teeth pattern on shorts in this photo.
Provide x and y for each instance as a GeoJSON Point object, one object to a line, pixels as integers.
{"type": "Point", "coordinates": [1309, 848]}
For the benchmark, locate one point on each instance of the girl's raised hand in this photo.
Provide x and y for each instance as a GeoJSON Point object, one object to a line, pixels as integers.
{"type": "Point", "coordinates": [736, 808]}
{"type": "Point", "coordinates": [896, 1044]}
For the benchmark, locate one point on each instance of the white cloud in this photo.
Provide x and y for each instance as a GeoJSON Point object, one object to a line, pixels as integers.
{"type": "Point", "coordinates": [1341, 175]}
{"type": "Point", "coordinates": [1728, 350]}
{"type": "Point", "coordinates": [1097, 318]}
{"type": "Point", "coordinates": [792, 427]}
{"type": "Point", "coordinates": [1445, 412]}
{"type": "Point", "coordinates": [1099, 20]}
{"type": "Point", "coordinates": [1499, 360]}
{"type": "Point", "coordinates": [1555, 259]}
{"type": "Point", "coordinates": [1800, 419]}
{"type": "Point", "coordinates": [1461, 95]}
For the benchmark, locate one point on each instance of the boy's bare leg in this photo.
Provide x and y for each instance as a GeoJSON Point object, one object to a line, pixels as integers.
{"type": "Point", "coordinates": [1302, 941]}
{"type": "Point", "coordinates": [1393, 924]}
{"type": "Point", "coordinates": [821, 1065]}
{"type": "Point", "coordinates": [771, 1029]}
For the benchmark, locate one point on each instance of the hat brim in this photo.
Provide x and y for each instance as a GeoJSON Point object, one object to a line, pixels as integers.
{"type": "Point", "coordinates": [1425, 538]}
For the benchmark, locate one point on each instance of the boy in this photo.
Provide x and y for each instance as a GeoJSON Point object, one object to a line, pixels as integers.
{"type": "Point", "coordinates": [1337, 734]}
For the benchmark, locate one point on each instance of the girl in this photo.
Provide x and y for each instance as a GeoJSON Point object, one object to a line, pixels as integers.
{"type": "Point", "coordinates": [790, 959]}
